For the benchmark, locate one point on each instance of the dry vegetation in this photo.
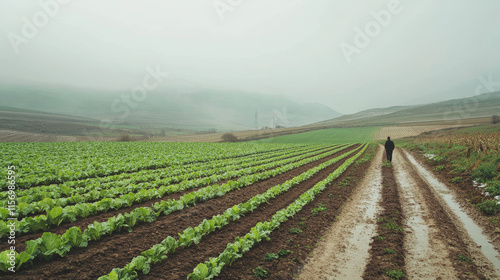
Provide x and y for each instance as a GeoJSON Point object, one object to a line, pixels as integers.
{"type": "Point", "coordinates": [482, 142]}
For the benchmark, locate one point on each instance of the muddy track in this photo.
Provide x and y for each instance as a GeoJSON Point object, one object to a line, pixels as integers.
{"type": "Point", "coordinates": [429, 246]}
{"type": "Point", "coordinates": [466, 196]}
{"type": "Point", "coordinates": [386, 252]}
{"type": "Point", "coordinates": [344, 250]}
{"type": "Point", "coordinates": [102, 217]}
{"type": "Point", "coordinates": [435, 240]}
{"type": "Point", "coordinates": [119, 249]}
{"type": "Point", "coordinates": [466, 246]}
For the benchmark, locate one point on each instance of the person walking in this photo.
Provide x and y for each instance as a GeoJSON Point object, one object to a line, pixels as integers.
{"type": "Point", "coordinates": [389, 147]}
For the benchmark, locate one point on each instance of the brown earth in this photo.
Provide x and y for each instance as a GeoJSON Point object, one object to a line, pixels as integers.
{"type": "Point", "coordinates": [467, 195]}
{"type": "Point", "coordinates": [432, 242]}
{"type": "Point", "coordinates": [388, 238]}
{"type": "Point", "coordinates": [444, 229]}
{"type": "Point", "coordinates": [344, 249]}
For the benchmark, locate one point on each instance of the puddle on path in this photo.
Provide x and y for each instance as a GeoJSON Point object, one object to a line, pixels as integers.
{"type": "Point", "coordinates": [470, 226]}
{"type": "Point", "coordinates": [344, 252]}
{"type": "Point", "coordinates": [424, 258]}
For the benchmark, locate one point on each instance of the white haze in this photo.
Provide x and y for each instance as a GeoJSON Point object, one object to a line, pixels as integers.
{"type": "Point", "coordinates": [429, 51]}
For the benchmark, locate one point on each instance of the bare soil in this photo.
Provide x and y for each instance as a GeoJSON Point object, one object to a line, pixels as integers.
{"type": "Point", "coordinates": [386, 251]}
{"type": "Point", "coordinates": [344, 250]}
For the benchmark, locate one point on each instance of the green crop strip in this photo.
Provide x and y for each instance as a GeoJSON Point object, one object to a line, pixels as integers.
{"type": "Point", "coordinates": [194, 235]}
{"type": "Point", "coordinates": [67, 189]}
{"type": "Point", "coordinates": [99, 192]}
{"type": "Point", "coordinates": [143, 214]}
{"type": "Point", "coordinates": [49, 163]}
{"type": "Point", "coordinates": [57, 215]}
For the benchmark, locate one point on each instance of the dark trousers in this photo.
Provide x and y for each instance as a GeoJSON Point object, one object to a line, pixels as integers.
{"type": "Point", "coordinates": [389, 155]}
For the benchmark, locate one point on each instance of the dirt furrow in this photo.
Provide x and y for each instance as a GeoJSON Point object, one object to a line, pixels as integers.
{"type": "Point", "coordinates": [343, 252]}
{"type": "Point", "coordinates": [473, 255]}
{"type": "Point", "coordinates": [387, 256]}
{"type": "Point", "coordinates": [117, 250]}
{"type": "Point", "coordinates": [427, 255]}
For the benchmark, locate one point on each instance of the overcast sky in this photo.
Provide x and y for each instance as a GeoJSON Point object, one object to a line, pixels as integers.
{"type": "Point", "coordinates": [408, 52]}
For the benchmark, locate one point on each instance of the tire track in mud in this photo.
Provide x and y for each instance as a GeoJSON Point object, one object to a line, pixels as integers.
{"type": "Point", "coordinates": [463, 235]}
{"type": "Point", "coordinates": [344, 251]}
{"type": "Point", "coordinates": [427, 255]}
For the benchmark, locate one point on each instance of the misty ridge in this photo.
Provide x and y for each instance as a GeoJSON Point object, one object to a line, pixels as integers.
{"type": "Point", "coordinates": [193, 108]}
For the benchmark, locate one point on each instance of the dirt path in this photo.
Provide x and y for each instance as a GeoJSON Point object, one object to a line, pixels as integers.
{"type": "Point", "coordinates": [427, 255]}
{"type": "Point", "coordinates": [343, 253]}
{"type": "Point", "coordinates": [440, 240]}
{"type": "Point", "coordinates": [472, 240]}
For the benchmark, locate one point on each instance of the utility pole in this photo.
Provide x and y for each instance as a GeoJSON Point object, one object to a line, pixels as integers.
{"type": "Point", "coordinates": [256, 119]}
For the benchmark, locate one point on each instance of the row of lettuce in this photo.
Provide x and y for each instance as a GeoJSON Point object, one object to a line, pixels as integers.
{"type": "Point", "coordinates": [50, 245]}
{"type": "Point", "coordinates": [69, 188]}
{"type": "Point", "coordinates": [49, 163]}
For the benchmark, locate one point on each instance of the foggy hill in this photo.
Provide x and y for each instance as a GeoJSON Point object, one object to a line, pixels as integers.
{"type": "Point", "coordinates": [482, 105]}
{"type": "Point", "coordinates": [193, 109]}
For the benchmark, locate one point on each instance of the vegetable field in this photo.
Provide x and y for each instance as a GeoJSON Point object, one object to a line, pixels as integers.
{"type": "Point", "coordinates": [322, 136]}
{"type": "Point", "coordinates": [154, 210]}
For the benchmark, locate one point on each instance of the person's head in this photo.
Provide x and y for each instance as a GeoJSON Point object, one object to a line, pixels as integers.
{"type": "Point", "coordinates": [388, 138]}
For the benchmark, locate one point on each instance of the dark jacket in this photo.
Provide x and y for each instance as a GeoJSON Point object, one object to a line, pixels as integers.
{"type": "Point", "coordinates": [389, 145]}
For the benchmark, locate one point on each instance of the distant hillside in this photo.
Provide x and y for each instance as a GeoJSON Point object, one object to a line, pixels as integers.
{"type": "Point", "coordinates": [196, 110]}
{"type": "Point", "coordinates": [483, 105]}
